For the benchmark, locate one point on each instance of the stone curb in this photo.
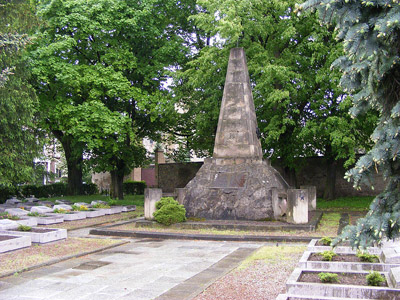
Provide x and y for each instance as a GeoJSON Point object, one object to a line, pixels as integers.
{"type": "Point", "coordinates": [311, 226]}
{"type": "Point", "coordinates": [207, 237]}
{"type": "Point", "coordinates": [114, 223]}
{"type": "Point", "coordinates": [57, 260]}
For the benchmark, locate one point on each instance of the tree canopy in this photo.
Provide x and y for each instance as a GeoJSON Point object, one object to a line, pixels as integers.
{"type": "Point", "coordinates": [300, 109]}
{"type": "Point", "coordinates": [100, 67]}
{"type": "Point", "coordinates": [370, 31]}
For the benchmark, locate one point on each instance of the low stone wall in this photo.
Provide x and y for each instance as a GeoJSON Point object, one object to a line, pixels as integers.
{"type": "Point", "coordinates": [176, 175]}
{"type": "Point", "coordinates": [313, 172]}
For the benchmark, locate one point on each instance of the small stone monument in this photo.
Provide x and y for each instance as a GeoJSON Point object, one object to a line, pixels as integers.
{"type": "Point", "coordinates": [236, 183]}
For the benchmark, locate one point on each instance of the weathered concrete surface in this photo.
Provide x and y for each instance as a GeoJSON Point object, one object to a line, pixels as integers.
{"type": "Point", "coordinates": [297, 210]}
{"type": "Point", "coordinates": [312, 196]}
{"type": "Point", "coordinates": [151, 196]}
{"type": "Point", "coordinates": [236, 183]}
{"type": "Point", "coordinates": [237, 124]}
{"type": "Point", "coordinates": [233, 191]}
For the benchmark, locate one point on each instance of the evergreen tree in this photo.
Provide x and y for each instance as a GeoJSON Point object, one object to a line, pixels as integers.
{"type": "Point", "coordinates": [370, 68]}
{"type": "Point", "coordinates": [20, 142]}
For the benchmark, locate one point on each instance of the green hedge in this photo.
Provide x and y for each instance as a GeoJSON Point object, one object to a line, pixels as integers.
{"type": "Point", "coordinates": [42, 191]}
{"type": "Point", "coordinates": [134, 187]}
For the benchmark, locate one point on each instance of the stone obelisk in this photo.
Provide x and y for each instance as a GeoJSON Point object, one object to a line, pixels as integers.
{"type": "Point", "coordinates": [235, 183]}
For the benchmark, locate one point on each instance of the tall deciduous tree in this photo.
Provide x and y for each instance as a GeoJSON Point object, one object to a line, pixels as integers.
{"type": "Point", "coordinates": [19, 137]}
{"type": "Point", "coordinates": [299, 107]}
{"type": "Point", "coordinates": [370, 68]}
{"type": "Point", "coordinates": [106, 62]}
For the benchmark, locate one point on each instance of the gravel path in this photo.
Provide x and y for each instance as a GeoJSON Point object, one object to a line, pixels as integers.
{"type": "Point", "coordinates": [259, 280]}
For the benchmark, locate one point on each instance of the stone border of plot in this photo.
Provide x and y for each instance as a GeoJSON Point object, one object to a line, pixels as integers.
{"type": "Point", "coordinates": [106, 231]}
{"type": "Point", "coordinates": [196, 284]}
{"type": "Point", "coordinates": [61, 259]}
{"type": "Point", "coordinates": [117, 222]}
{"type": "Point", "coordinates": [311, 226]}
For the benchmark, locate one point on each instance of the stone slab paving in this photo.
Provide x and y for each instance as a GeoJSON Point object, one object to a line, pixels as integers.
{"type": "Point", "coordinates": [142, 269]}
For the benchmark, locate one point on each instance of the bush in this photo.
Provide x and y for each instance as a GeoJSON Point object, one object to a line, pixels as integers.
{"type": "Point", "coordinates": [164, 201]}
{"type": "Point", "coordinates": [43, 191]}
{"type": "Point", "coordinates": [6, 192]}
{"type": "Point", "coordinates": [89, 189]}
{"type": "Point", "coordinates": [134, 187]}
{"type": "Point", "coordinates": [374, 279]}
{"type": "Point", "coordinates": [366, 257]}
{"type": "Point", "coordinates": [326, 241]}
{"type": "Point", "coordinates": [328, 277]}
{"type": "Point", "coordinates": [24, 228]}
{"type": "Point", "coordinates": [169, 211]}
{"type": "Point", "coordinates": [327, 255]}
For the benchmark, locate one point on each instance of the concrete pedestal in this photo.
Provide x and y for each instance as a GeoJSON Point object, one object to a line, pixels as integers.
{"type": "Point", "coordinates": [312, 196]}
{"type": "Point", "coordinates": [151, 196]}
{"type": "Point", "coordinates": [297, 208]}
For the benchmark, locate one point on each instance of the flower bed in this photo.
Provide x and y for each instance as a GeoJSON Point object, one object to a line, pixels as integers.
{"type": "Point", "coordinates": [13, 242]}
{"type": "Point", "coordinates": [41, 235]}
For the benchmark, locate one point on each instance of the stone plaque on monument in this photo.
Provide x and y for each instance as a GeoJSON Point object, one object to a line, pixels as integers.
{"type": "Point", "coordinates": [235, 183]}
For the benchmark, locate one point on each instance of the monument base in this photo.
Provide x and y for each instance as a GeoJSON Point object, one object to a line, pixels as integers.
{"type": "Point", "coordinates": [232, 189]}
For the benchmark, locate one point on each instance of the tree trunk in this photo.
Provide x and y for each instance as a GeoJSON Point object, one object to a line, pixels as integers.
{"type": "Point", "coordinates": [330, 184]}
{"type": "Point", "coordinates": [117, 187]}
{"type": "Point", "coordinates": [74, 158]}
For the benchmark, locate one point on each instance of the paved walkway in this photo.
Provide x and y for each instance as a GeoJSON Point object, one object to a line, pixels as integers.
{"type": "Point", "coordinates": [142, 269]}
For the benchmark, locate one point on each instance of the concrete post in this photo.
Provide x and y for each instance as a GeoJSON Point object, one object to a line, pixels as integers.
{"type": "Point", "coordinates": [297, 210]}
{"type": "Point", "coordinates": [151, 196]}
{"type": "Point", "coordinates": [279, 202]}
{"type": "Point", "coordinates": [312, 196]}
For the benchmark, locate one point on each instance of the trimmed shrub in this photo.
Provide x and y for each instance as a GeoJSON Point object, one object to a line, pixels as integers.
{"type": "Point", "coordinates": [43, 191]}
{"type": "Point", "coordinates": [326, 241]}
{"type": "Point", "coordinates": [328, 277]}
{"type": "Point", "coordinates": [327, 255]}
{"type": "Point", "coordinates": [366, 257]}
{"type": "Point", "coordinates": [375, 278]}
{"type": "Point", "coordinates": [134, 187]}
{"type": "Point", "coordinates": [164, 201]}
{"type": "Point", "coordinates": [169, 211]}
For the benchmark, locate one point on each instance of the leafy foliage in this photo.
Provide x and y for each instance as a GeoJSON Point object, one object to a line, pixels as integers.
{"type": "Point", "coordinates": [300, 109]}
{"type": "Point", "coordinates": [370, 31]}
{"type": "Point", "coordinates": [99, 68]}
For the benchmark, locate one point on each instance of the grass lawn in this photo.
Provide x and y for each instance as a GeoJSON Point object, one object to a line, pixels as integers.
{"type": "Point", "coordinates": [345, 203]}
{"type": "Point", "coordinates": [137, 200]}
